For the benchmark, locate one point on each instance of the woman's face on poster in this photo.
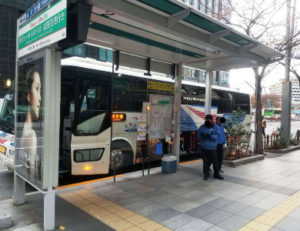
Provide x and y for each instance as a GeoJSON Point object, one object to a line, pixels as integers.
{"type": "Point", "coordinates": [35, 96]}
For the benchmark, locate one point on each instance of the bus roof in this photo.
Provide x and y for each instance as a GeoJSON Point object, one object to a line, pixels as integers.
{"type": "Point", "coordinates": [170, 31]}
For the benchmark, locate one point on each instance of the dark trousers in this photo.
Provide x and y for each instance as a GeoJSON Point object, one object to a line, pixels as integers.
{"type": "Point", "coordinates": [263, 132]}
{"type": "Point", "coordinates": [210, 157]}
{"type": "Point", "coordinates": [220, 155]}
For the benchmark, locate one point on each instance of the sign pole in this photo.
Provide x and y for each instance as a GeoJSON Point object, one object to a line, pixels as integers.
{"type": "Point", "coordinates": [177, 103]}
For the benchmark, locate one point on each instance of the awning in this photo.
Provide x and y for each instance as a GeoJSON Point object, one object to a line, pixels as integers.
{"type": "Point", "coordinates": [169, 31]}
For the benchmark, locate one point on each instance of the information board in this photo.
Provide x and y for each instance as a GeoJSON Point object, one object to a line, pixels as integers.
{"type": "Point", "coordinates": [160, 121]}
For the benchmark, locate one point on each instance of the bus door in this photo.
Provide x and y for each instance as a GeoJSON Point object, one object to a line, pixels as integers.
{"type": "Point", "coordinates": [91, 136]}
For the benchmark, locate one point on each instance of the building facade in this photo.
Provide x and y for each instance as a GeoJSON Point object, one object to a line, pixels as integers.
{"type": "Point", "coordinates": [10, 10]}
{"type": "Point", "coordinates": [276, 89]}
{"type": "Point", "coordinates": [218, 9]}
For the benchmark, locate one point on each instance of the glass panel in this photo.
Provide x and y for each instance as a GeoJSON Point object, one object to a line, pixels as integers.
{"type": "Point", "coordinates": [68, 51]}
{"type": "Point", "coordinates": [163, 5]}
{"type": "Point", "coordinates": [129, 93]}
{"type": "Point", "coordinates": [109, 55]}
{"type": "Point", "coordinates": [102, 53]}
{"type": "Point", "coordinates": [92, 52]}
{"type": "Point", "coordinates": [88, 155]}
{"type": "Point", "coordinates": [223, 100]}
{"type": "Point", "coordinates": [79, 50]}
{"type": "Point", "coordinates": [199, 5]}
{"type": "Point", "coordinates": [241, 101]}
{"type": "Point", "coordinates": [93, 106]}
{"type": "Point", "coordinates": [193, 95]}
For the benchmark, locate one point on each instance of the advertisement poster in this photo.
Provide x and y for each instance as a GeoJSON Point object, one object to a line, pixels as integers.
{"type": "Point", "coordinates": [29, 137]}
{"type": "Point", "coordinates": [142, 127]}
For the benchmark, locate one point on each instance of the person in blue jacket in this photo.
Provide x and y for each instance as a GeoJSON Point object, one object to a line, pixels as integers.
{"type": "Point", "coordinates": [220, 141]}
{"type": "Point", "coordinates": [207, 135]}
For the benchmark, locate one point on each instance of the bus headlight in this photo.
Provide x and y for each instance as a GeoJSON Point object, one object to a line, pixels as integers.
{"type": "Point", "coordinates": [87, 167]}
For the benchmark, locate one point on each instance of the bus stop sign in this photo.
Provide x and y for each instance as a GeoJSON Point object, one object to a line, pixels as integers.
{"type": "Point", "coordinates": [42, 25]}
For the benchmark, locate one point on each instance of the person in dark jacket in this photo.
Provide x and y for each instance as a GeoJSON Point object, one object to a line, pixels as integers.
{"type": "Point", "coordinates": [220, 141]}
{"type": "Point", "coordinates": [207, 135]}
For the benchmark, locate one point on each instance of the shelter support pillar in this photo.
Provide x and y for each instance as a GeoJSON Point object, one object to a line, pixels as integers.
{"type": "Point", "coordinates": [177, 103]}
{"type": "Point", "coordinates": [49, 209]}
{"type": "Point", "coordinates": [51, 144]}
{"type": "Point", "coordinates": [286, 112]}
{"type": "Point", "coordinates": [208, 92]}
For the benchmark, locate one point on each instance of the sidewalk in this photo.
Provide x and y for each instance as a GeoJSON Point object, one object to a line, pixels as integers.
{"type": "Point", "coordinates": [257, 196]}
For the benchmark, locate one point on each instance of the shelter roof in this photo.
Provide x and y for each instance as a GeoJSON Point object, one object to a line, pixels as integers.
{"type": "Point", "coordinates": [172, 32]}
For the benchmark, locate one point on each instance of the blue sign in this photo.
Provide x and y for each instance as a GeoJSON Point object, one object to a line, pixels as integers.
{"type": "Point", "coordinates": [37, 7]}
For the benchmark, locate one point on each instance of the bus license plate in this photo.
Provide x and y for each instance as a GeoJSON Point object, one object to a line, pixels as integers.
{"type": "Point", "coordinates": [2, 149]}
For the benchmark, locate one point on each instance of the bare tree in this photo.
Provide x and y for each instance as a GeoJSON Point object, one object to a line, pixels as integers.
{"type": "Point", "coordinates": [275, 100]}
{"type": "Point", "coordinates": [263, 20]}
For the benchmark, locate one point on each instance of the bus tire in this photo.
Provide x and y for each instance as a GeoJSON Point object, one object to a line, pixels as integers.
{"type": "Point", "coordinates": [121, 154]}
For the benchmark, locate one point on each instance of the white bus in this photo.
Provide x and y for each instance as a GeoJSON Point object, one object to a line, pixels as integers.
{"type": "Point", "coordinates": [7, 138]}
{"type": "Point", "coordinates": [100, 111]}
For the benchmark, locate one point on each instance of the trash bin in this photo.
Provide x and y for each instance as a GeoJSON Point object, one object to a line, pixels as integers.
{"type": "Point", "coordinates": [169, 164]}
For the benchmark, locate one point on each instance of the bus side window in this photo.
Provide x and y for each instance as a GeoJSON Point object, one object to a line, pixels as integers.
{"type": "Point", "coordinates": [223, 100]}
{"type": "Point", "coordinates": [242, 102]}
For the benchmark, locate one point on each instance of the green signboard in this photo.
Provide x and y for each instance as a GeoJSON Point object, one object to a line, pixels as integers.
{"type": "Point", "coordinates": [41, 26]}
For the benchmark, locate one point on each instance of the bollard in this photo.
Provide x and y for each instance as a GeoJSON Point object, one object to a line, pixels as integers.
{"type": "Point", "coordinates": [114, 164]}
{"type": "Point", "coordinates": [148, 159]}
{"type": "Point", "coordinates": [271, 140]}
{"type": "Point", "coordinates": [5, 221]}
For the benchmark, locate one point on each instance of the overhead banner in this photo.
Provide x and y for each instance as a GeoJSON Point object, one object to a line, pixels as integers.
{"type": "Point", "coordinates": [42, 25]}
{"type": "Point", "coordinates": [29, 128]}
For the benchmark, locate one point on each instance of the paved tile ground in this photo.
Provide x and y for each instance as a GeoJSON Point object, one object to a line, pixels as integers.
{"type": "Point", "coordinates": [260, 196]}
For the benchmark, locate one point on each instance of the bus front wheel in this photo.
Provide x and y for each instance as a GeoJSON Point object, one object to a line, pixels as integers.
{"type": "Point", "coordinates": [121, 155]}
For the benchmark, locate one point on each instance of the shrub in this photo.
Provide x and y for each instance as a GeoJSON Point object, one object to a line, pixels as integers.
{"type": "Point", "coordinates": [238, 135]}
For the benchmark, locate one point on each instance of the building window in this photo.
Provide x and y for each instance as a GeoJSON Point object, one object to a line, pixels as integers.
{"type": "Point", "coordinates": [79, 50]}
{"type": "Point", "coordinates": [198, 5]}
{"type": "Point", "coordinates": [92, 52]}
{"type": "Point", "coordinates": [102, 55]}
{"type": "Point", "coordinates": [109, 55]}
{"type": "Point", "coordinates": [220, 8]}
{"type": "Point", "coordinates": [202, 76]}
{"type": "Point", "coordinates": [212, 7]}
{"type": "Point", "coordinates": [68, 51]}
{"type": "Point", "coordinates": [206, 5]}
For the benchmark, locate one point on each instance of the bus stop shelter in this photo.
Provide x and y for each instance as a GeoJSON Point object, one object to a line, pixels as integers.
{"type": "Point", "coordinates": [153, 35]}
{"type": "Point", "coordinates": [159, 35]}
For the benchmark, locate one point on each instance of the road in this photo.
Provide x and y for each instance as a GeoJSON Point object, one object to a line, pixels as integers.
{"type": "Point", "coordinates": [2, 168]}
{"type": "Point", "coordinates": [272, 126]}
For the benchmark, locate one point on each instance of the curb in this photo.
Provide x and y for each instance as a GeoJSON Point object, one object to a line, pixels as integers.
{"type": "Point", "coordinates": [284, 150]}
{"type": "Point", "coordinates": [5, 221]}
{"type": "Point", "coordinates": [246, 160]}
